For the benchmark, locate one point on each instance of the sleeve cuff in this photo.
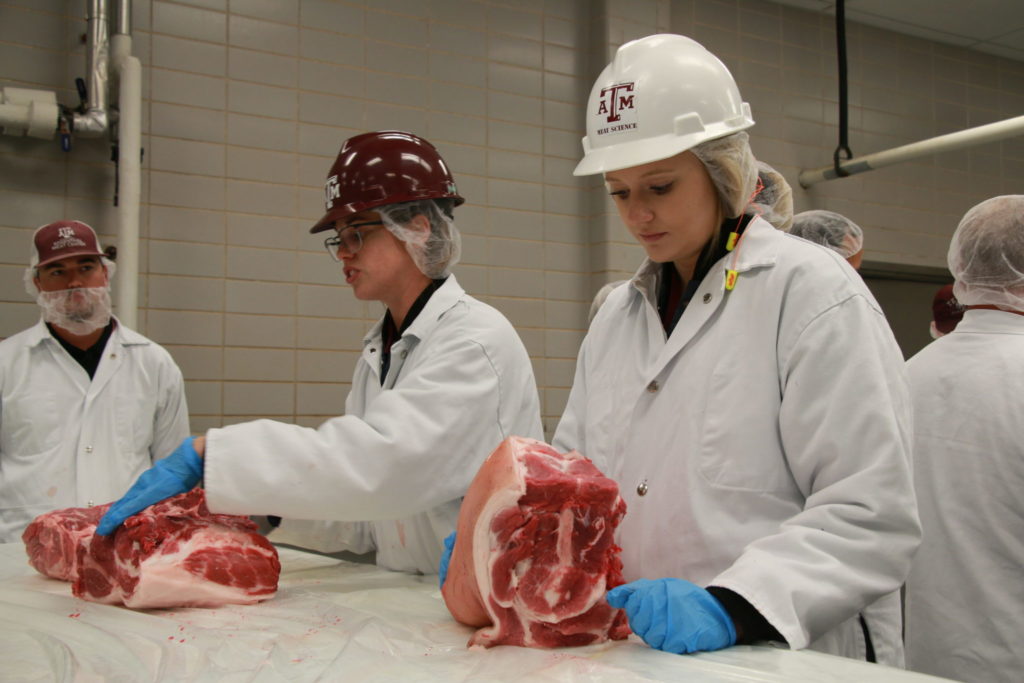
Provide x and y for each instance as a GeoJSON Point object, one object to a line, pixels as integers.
{"type": "Point", "coordinates": [751, 626]}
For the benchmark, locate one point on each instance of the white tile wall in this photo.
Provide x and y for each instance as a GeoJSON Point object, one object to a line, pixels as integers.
{"type": "Point", "coordinates": [248, 101]}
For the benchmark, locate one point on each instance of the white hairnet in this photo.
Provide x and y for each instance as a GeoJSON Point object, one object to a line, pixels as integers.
{"type": "Point", "coordinates": [733, 170]}
{"type": "Point", "coordinates": [986, 255]}
{"type": "Point", "coordinates": [774, 202]}
{"type": "Point", "coordinates": [735, 174]}
{"type": "Point", "coordinates": [830, 229]}
{"type": "Point", "coordinates": [435, 252]}
{"type": "Point", "coordinates": [30, 273]}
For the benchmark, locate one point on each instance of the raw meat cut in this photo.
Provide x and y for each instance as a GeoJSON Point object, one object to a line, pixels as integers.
{"type": "Point", "coordinates": [177, 554]}
{"type": "Point", "coordinates": [52, 540]}
{"type": "Point", "coordinates": [172, 554]}
{"type": "Point", "coordinates": [534, 552]}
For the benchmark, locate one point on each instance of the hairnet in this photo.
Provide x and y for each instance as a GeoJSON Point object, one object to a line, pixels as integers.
{"type": "Point", "coordinates": [436, 252]}
{"type": "Point", "coordinates": [30, 274]}
{"type": "Point", "coordinates": [986, 255]}
{"type": "Point", "coordinates": [774, 202]}
{"type": "Point", "coordinates": [733, 170]}
{"type": "Point", "coordinates": [830, 229]}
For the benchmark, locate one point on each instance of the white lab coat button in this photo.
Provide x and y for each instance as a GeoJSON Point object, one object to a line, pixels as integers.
{"type": "Point", "coordinates": [88, 449]}
{"type": "Point", "coordinates": [653, 386]}
{"type": "Point", "coordinates": [707, 298]}
{"type": "Point", "coordinates": [641, 489]}
{"type": "Point", "coordinates": [89, 504]}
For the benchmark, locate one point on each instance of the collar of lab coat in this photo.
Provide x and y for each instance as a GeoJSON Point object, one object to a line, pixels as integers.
{"type": "Point", "coordinates": [446, 296]}
{"type": "Point", "coordinates": [988, 321]}
{"type": "Point", "coordinates": [39, 333]}
{"type": "Point", "coordinates": [758, 248]}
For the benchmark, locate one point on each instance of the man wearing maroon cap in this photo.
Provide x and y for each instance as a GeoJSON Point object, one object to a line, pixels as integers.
{"type": "Point", "coordinates": [86, 404]}
{"type": "Point", "coordinates": [946, 312]}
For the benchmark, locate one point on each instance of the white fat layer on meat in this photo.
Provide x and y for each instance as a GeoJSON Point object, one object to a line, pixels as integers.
{"type": "Point", "coordinates": [486, 550]}
{"type": "Point", "coordinates": [163, 579]}
{"type": "Point", "coordinates": [485, 543]}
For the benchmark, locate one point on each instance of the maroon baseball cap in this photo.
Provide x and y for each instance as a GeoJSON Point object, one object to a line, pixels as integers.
{"type": "Point", "coordinates": [946, 310]}
{"type": "Point", "coordinates": [62, 239]}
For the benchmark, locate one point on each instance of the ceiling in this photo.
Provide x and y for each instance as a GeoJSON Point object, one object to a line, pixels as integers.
{"type": "Point", "coordinates": [992, 26]}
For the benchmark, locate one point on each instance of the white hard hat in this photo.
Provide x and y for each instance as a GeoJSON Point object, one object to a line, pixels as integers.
{"type": "Point", "coordinates": [660, 96]}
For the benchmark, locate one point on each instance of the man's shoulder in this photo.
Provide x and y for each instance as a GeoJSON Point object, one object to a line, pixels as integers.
{"type": "Point", "coordinates": [138, 343]}
{"type": "Point", "coordinates": [23, 339]}
{"type": "Point", "coordinates": [128, 336]}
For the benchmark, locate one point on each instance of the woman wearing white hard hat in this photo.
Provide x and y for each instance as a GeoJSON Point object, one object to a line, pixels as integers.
{"type": "Point", "coordinates": [743, 388]}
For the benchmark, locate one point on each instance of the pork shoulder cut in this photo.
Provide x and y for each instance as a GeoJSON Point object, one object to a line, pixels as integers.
{"type": "Point", "coordinates": [534, 552]}
{"type": "Point", "coordinates": [52, 540]}
{"type": "Point", "coordinates": [172, 554]}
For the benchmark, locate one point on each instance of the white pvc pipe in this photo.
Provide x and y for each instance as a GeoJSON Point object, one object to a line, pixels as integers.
{"type": "Point", "coordinates": [15, 117]}
{"type": "Point", "coordinates": [1000, 130]}
{"type": "Point", "coordinates": [129, 169]}
{"type": "Point", "coordinates": [29, 112]}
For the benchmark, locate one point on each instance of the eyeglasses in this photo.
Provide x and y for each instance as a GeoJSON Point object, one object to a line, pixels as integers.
{"type": "Point", "coordinates": [350, 238]}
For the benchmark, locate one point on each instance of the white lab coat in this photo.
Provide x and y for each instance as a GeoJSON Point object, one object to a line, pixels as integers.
{"type": "Point", "coordinates": [965, 593]}
{"type": "Point", "coordinates": [772, 431]}
{"type": "Point", "coordinates": [66, 441]}
{"type": "Point", "coordinates": [403, 454]}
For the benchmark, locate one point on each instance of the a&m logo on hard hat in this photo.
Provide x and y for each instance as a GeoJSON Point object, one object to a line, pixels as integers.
{"type": "Point", "coordinates": [332, 191]}
{"type": "Point", "coordinates": [618, 108]}
{"type": "Point", "coordinates": [66, 238]}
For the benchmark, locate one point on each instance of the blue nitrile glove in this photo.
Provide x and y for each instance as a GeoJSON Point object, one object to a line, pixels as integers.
{"type": "Point", "coordinates": [674, 615]}
{"type": "Point", "coordinates": [446, 557]}
{"type": "Point", "coordinates": [177, 473]}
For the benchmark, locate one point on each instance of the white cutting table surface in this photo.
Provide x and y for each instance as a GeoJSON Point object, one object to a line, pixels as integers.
{"type": "Point", "coordinates": [334, 620]}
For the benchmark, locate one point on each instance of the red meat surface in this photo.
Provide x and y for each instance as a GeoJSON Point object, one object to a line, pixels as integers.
{"type": "Point", "coordinates": [172, 554]}
{"type": "Point", "coordinates": [52, 540]}
{"type": "Point", "coordinates": [534, 552]}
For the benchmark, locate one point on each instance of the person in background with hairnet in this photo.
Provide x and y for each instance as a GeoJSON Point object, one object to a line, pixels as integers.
{"type": "Point", "coordinates": [946, 312]}
{"type": "Point", "coordinates": [441, 381]}
{"type": "Point", "coordinates": [86, 404]}
{"type": "Point", "coordinates": [965, 593]}
{"type": "Point", "coordinates": [743, 388]}
{"type": "Point", "coordinates": [832, 230]}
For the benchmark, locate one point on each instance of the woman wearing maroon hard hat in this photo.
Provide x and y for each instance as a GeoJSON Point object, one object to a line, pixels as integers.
{"type": "Point", "coordinates": [442, 379]}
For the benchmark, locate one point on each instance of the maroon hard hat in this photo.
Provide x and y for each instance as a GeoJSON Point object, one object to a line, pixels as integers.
{"type": "Point", "coordinates": [946, 310]}
{"type": "Point", "coordinates": [385, 167]}
{"type": "Point", "coordinates": [61, 239]}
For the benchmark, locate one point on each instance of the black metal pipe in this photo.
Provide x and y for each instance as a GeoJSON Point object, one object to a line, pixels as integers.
{"type": "Point", "coordinates": [844, 146]}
